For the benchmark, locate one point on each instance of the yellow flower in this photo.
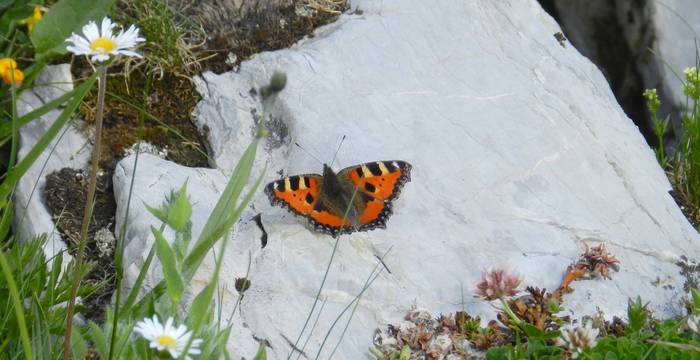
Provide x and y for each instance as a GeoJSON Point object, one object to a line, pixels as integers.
{"type": "Point", "coordinates": [33, 19]}
{"type": "Point", "coordinates": [9, 70]}
{"type": "Point", "coordinates": [6, 64]}
{"type": "Point", "coordinates": [15, 75]}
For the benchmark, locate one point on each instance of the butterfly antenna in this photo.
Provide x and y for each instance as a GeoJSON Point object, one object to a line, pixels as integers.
{"type": "Point", "coordinates": [307, 152]}
{"type": "Point", "coordinates": [336, 150]}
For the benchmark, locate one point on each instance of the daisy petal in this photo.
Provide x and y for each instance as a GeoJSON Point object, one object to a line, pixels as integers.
{"type": "Point", "coordinates": [106, 28]}
{"type": "Point", "coordinates": [91, 31]}
{"type": "Point", "coordinates": [100, 43]}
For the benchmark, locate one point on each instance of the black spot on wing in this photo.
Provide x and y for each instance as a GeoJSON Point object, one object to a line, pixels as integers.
{"type": "Point", "coordinates": [370, 188]}
{"type": "Point", "coordinates": [309, 199]}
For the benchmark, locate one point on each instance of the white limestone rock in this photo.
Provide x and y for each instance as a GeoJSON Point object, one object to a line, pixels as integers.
{"type": "Point", "coordinates": [676, 27]}
{"type": "Point", "coordinates": [55, 81]}
{"type": "Point", "coordinates": [521, 157]}
{"type": "Point", "coordinates": [68, 149]}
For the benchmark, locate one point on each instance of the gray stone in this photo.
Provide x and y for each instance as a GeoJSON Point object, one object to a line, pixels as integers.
{"type": "Point", "coordinates": [521, 157]}
{"type": "Point", "coordinates": [53, 82]}
{"type": "Point", "coordinates": [69, 148]}
{"type": "Point", "coordinates": [656, 40]}
{"type": "Point", "coordinates": [676, 27]}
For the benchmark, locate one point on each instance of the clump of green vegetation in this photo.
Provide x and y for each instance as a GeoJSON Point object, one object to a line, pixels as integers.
{"type": "Point", "coordinates": [175, 41]}
{"type": "Point", "coordinates": [461, 336]}
{"type": "Point", "coordinates": [530, 325]}
{"type": "Point", "coordinates": [152, 98]}
{"type": "Point", "coordinates": [683, 166]}
{"type": "Point", "coordinates": [34, 290]}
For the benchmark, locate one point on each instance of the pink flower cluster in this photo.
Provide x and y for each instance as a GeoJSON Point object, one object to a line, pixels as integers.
{"type": "Point", "coordinates": [497, 284]}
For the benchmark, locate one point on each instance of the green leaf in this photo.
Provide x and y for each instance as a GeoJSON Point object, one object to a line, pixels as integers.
{"type": "Point", "coordinates": [637, 314]}
{"type": "Point", "coordinates": [200, 307]}
{"type": "Point", "coordinates": [180, 211]}
{"type": "Point", "coordinates": [220, 339]}
{"type": "Point", "coordinates": [62, 19]}
{"type": "Point", "coordinates": [4, 4]}
{"type": "Point", "coordinates": [261, 354]}
{"type": "Point", "coordinates": [135, 290]}
{"type": "Point", "coordinates": [160, 213]}
{"type": "Point", "coordinates": [224, 214]}
{"type": "Point", "coordinates": [696, 299]}
{"type": "Point", "coordinates": [12, 14]}
{"type": "Point", "coordinates": [405, 353]}
{"type": "Point", "coordinates": [78, 344]}
{"type": "Point", "coordinates": [610, 356]}
{"type": "Point", "coordinates": [497, 353]}
{"type": "Point", "coordinates": [98, 338]}
{"type": "Point", "coordinates": [166, 255]}
{"type": "Point", "coordinates": [532, 331]}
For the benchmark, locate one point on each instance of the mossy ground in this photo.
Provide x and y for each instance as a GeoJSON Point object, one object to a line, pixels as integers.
{"type": "Point", "coordinates": [156, 110]}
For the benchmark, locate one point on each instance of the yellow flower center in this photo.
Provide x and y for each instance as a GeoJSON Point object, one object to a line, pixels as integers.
{"type": "Point", "coordinates": [166, 340]}
{"type": "Point", "coordinates": [103, 45]}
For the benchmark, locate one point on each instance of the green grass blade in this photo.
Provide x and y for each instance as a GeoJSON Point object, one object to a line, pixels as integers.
{"type": "Point", "coordinates": [6, 219]}
{"type": "Point", "coordinates": [21, 168]}
{"type": "Point", "coordinates": [236, 214]}
{"type": "Point", "coordinates": [126, 307]}
{"type": "Point", "coordinates": [6, 128]}
{"type": "Point", "coordinates": [323, 283]}
{"type": "Point", "coordinates": [261, 354]}
{"type": "Point", "coordinates": [200, 311]}
{"type": "Point", "coordinates": [216, 224]}
{"type": "Point", "coordinates": [98, 338]}
{"type": "Point", "coordinates": [16, 305]}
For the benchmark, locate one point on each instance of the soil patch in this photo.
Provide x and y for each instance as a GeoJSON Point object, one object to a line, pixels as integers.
{"type": "Point", "coordinates": [235, 34]}
{"type": "Point", "coordinates": [691, 271]}
{"type": "Point", "coordinates": [689, 209]}
{"type": "Point", "coordinates": [65, 196]}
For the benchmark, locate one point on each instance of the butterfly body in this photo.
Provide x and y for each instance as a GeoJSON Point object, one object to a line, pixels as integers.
{"type": "Point", "coordinates": [325, 199]}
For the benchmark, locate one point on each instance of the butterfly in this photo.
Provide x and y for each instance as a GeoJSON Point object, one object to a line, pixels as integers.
{"type": "Point", "coordinates": [324, 199]}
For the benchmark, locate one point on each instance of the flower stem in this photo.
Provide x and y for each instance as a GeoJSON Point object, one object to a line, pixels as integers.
{"type": "Point", "coordinates": [87, 213]}
{"type": "Point", "coordinates": [510, 313]}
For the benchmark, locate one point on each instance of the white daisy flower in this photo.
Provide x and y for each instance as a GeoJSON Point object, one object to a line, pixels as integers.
{"type": "Point", "coordinates": [166, 337]}
{"type": "Point", "coordinates": [578, 339]}
{"type": "Point", "coordinates": [101, 43]}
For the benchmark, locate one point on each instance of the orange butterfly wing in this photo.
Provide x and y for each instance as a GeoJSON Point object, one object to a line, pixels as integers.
{"type": "Point", "coordinates": [380, 182]}
{"type": "Point", "coordinates": [299, 194]}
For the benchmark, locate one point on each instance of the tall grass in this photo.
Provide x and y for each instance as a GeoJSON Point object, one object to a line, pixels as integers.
{"type": "Point", "coordinates": [683, 166]}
